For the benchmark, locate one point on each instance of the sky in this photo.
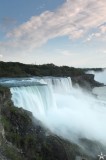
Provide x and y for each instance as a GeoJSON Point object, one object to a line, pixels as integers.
{"type": "Point", "coordinates": [63, 32]}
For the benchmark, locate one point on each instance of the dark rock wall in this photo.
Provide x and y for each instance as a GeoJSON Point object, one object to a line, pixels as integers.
{"type": "Point", "coordinates": [86, 81]}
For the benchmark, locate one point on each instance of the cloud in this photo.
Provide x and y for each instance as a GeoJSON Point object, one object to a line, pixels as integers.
{"type": "Point", "coordinates": [103, 28]}
{"type": "Point", "coordinates": [100, 33]}
{"type": "Point", "coordinates": [75, 18]}
{"type": "Point", "coordinates": [1, 56]}
{"type": "Point", "coordinates": [66, 52]}
{"type": "Point", "coordinates": [104, 51]}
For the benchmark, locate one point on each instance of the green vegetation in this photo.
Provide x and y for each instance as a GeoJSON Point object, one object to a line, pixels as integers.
{"type": "Point", "coordinates": [12, 153]}
{"type": "Point", "coordinates": [15, 69]}
{"type": "Point", "coordinates": [29, 138]}
{"type": "Point", "coordinates": [3, 91]}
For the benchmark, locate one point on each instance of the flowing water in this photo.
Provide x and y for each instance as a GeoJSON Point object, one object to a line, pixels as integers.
{"type": "Point", "coordinates": [68, 112]}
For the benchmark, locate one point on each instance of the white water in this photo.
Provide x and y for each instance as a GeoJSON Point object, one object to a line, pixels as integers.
{"type": "Point", "coordinates": [37, 99]}
{"type": "Point", "coordinates": [67, 112]}
{"type": "Point", "coordinates": [59, 85]}
{"type": "Point", "coordinates": [100, 92]}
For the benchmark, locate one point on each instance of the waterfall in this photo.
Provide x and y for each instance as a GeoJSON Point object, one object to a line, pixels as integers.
{"type": "Point", "coordinates": [66, 111]}
{"type": "Point", "coordinates": [40, 98]}
{"type": "Point", "coordinates": [37, 99]}
{"type": "Point", "coordinates": [59, 84]}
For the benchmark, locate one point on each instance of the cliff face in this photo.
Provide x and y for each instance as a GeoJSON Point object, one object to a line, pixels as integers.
{"type": "Point", "coordinates": [3, 93]}
{"type": "Point", "coordinates": [23, 137]}
{"type": "Point", "coordinates": [86, 81]}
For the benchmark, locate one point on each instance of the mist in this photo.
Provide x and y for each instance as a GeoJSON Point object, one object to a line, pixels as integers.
{"type": "Point", "coordinates": [68, 112]}
{"type": "Point", "coordinates": [99, 76]}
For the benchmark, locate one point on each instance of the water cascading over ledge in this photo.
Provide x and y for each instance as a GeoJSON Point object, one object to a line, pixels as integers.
{"type": "Point", "coordinates": [66, 111]}
{"type": "Point", "coordinates": [40, 98]}
{"type": "Point", "coordinates": [37, 99]}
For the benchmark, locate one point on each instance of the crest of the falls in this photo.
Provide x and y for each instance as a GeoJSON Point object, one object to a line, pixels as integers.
{"type": "Point", "coordinates": [59, 85]}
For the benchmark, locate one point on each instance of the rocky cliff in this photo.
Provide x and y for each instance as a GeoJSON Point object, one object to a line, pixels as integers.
{"type": "Point", "coordinates": [86, 81]}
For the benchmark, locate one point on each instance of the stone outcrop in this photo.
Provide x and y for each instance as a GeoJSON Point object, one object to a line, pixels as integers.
{"type": "Point", "coordinates": [86, 81]}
